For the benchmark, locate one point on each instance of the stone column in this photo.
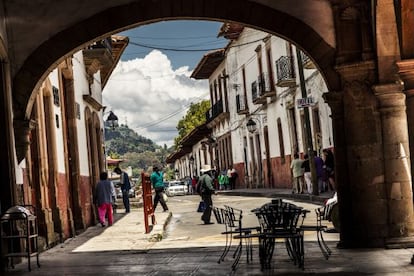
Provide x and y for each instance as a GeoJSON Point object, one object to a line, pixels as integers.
{"type": "Point", "coordinates": [336, 103]}
{"type": "Point", "coordinates": [406, 73]}
{"type": "Point", "coordinates": [364, 210]}
{"type": "Point", "coordinates": [397, 173]}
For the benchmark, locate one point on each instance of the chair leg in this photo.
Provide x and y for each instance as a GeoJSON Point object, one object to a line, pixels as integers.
{"type": "Point", "coordinates": [326, 251]}
{"type": "Point", "coordinates": [237, 255]}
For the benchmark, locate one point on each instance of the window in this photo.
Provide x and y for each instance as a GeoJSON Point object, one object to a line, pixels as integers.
{"type": "Point", "coordinates": [57, 120]}
{"type": "Point", "coordinates": [244, 86]}
{"type": "Point", "coordinates": [77, 107]}
{"type": "Point", "coordinates": [269, 67]}
{"type": "Point", "coordinates": [317, 129]}
{"type": "Point", "coordinates": [281, 142]}
{"type": "Point", "coordinates": [293, 130]}
{"type": "Point", "coordinates": [225, 96]}
{"type": "Point", "coordinates": [56, 99]}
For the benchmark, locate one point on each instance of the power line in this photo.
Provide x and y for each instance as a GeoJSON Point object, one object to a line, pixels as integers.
{"type": "Point", "coordinates": [191, 50]}
{"type": "Point", "coordinates": [173, 38]}
{"type": "Point", "coordinates": [174, 113]}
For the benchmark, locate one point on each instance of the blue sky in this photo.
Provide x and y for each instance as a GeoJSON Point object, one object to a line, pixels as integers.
{"type": "Point", "coordinates": [150, 90]}
{"type": "Point", "coordinates": [187, 38]}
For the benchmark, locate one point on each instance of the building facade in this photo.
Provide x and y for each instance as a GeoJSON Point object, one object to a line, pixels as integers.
{"type": "Point", "coordinates": [66, 153]}
{"type": "Point", "coordinates": [254, 83]}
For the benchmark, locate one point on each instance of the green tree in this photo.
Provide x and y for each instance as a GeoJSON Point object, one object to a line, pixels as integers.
{"type": "Point", "coordinates": [195, 116]}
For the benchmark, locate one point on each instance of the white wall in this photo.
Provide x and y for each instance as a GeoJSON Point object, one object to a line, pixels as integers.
{"type": "Point", "coordinates": [239, 56]}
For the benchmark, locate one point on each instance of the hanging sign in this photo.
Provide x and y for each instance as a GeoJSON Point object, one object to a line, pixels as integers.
{"type": "Point", "coordinates": [305, 102]}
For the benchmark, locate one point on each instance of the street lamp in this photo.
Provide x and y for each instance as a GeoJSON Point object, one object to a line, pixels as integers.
{"type": "Point", "coordinates": [112, 120]}
{"type": "Point", "coordinates": [251, 126]}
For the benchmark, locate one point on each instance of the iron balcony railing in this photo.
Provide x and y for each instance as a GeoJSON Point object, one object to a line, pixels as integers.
{"type": "Point", "coordinates": [255, 91]}
{"type": "Point", "coordinates": [103, 44]}
{"type": "Point", "coordinates": [306, 61]}
{"type": "Point", "coordinates": [241, 105]}
{"type": "Point", "coordinates": [265, 85]}
{"type": "Point", "coordinates": [256, 97]}
{"type": "Point", "coordinates": [214, 111]}
{"type": "Point", "coordinates": [285, 71]}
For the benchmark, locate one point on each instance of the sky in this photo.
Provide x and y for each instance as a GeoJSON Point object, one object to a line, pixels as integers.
{"type": "Point", "coordinates": [150, 90]}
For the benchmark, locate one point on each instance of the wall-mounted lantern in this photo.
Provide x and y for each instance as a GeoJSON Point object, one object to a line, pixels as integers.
{"type": "Point", "coordinates": [112, 120]}
{"type": "Point", "coordinates": [251, 125]}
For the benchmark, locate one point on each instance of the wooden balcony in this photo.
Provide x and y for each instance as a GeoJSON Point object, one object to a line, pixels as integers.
{"type": "Point", "coordinates": [98, 56]}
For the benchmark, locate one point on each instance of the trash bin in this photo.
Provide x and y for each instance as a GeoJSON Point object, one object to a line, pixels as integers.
{"type": "Point", "coordinates": [19, 234]}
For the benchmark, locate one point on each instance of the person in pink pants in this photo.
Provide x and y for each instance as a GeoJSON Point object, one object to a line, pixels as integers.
{"type": "Point", "coordinates": [103, 199]}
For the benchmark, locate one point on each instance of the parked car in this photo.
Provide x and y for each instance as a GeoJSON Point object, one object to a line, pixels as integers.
{"type": "Point", "coordinates": [176, 188]}
{"type": "Point", "coordinates": [131, 192]}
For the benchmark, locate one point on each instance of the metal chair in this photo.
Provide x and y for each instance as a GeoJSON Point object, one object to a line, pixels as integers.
{"type": "Point", "coordinates": [221, 218]}
{"type": "Point", "coordinates": [319, 228]}
{"type": "Point", "coordinates": [246, 234]}
{"type": "Point", "coordinates": [279, 221]}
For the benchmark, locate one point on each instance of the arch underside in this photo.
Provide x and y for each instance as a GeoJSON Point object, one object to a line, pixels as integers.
{"type": "Point", "coordinates": [112, 20]}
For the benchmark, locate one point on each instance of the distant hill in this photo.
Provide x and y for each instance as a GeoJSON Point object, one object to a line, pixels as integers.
{"type": "Point", "coordinates": [122, 140]}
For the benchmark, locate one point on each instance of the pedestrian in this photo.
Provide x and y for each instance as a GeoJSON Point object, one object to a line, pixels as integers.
{"type": "Point", "coordinates": [206, 189]}
{"type": "Point", "coordinates": [194, 183]}
{"type": "Point", "coordinates": [157, 181]}
{"type": "Point", "coordinates": [125, 187]}
{"type": "Point", "coordinates": [329, 168]}
{"type": "Point", "coordinates": [229, 177]}
{"type": "Point", "coordinates": [297, 174]}
{"type": "Point", "coordinates": [103, 199]}
{"type": "Point", "coordinates": [307, 173]}
{"type": "Point", "coordinates": [233, 178]}
{"type": "Point", "coordinates": [189, 185]}
{"type": "Point", "coordinates": [223, 180]}
{"type": "Point", "coordinates": [320, 172]}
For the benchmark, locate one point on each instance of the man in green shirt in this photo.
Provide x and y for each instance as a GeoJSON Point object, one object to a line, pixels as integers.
{"type": "Point", "coordinates": [157, 181]}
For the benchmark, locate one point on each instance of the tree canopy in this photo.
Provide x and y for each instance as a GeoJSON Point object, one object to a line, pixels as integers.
{"type": "Point", "coordinates": [196, 116]}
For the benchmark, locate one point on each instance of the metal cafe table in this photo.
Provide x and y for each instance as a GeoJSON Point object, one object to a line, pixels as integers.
{"type": "Point", "coordinates": [279, 220]}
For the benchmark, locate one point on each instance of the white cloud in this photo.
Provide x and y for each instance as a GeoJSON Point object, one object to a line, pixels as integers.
{"type": "Point", "coordinates": [151, 97]}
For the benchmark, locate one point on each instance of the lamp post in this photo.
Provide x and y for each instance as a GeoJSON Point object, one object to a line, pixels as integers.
{"type": "Point", "coordinates": [251, 125]}
{"type": "Point", "coordinates": [112, 122]}
{"type": "Point", "coordinates": [311, 154]}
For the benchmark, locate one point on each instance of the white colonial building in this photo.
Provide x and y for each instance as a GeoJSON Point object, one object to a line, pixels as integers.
{"type": "Point", "coordinates": [255, 84]}
{"type": "Point", "coordinates": [66, 153]}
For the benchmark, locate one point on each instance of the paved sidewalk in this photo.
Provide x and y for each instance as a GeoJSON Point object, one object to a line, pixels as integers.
{"type": "Point", "coordinates": [124, 249]}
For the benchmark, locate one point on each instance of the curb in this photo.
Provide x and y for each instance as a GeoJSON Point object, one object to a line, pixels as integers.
{"type": "Point", "coordinates": [158, 230]}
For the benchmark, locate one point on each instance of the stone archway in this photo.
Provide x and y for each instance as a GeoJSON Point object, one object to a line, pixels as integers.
{"type": "Point", "coordinates": [96, 25]}
{"type": "Point", "coordinates": [340, 42]}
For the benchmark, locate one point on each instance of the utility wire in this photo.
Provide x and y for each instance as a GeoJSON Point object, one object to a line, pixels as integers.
{"type": "Point", "coordinates": [174, 113]}
{"type": "Point", "coordinates": [191, 50]}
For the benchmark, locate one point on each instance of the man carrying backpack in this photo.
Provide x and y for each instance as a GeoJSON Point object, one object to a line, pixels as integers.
{"type": "Point", "coordinates": [205, 188]}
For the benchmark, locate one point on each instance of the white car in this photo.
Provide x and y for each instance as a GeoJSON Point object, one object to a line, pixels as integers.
{"type": "Point", "coordinates": [176, 188]}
